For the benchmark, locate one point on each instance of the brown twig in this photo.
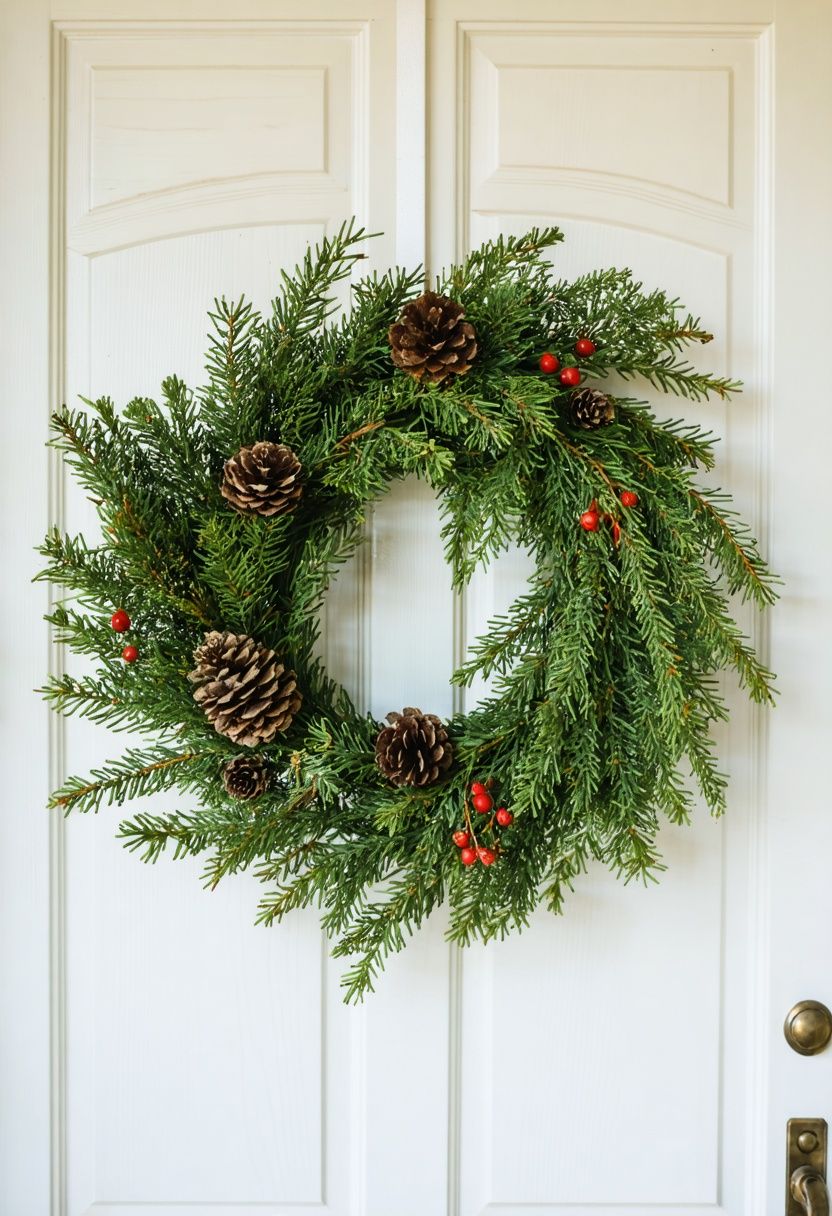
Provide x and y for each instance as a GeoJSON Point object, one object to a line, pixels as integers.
{"type": "Point", "coordinates": [479, 415]}
{"type": "Point", "coordinates": [581, 455]}
{"type": "Point", "coordinates": [66, 799]}
{"type": "Point", "coordinates": [138, 531]}
{"type": "Point", "coordinates": [362, 430]}
{"type": "Point", "coordinates": [707, 507]}
{"type": "Point", "coordinates": [71, 435]}
{"type": "Point", "coordinates": [686, 335]}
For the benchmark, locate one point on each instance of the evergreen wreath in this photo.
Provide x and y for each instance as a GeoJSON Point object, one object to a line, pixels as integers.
{"type": "Point", "coordinates": [226, 510]}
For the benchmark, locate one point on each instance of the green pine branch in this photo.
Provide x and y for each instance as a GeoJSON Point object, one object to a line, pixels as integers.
{"type": "Point", "coordinates": [137, 773]}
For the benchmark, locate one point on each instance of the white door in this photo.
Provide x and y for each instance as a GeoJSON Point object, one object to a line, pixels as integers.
{"type": "Point", "coordinates": [159, 1055]}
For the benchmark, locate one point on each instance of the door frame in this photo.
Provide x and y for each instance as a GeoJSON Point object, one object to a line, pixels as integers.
{"type": "Point", "coordinates": [32, 1125]}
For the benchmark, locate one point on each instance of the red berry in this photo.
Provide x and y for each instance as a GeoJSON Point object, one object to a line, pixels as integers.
{"type": "Point", "coordinates": [589, 521]}
{"type": "Point", "coordinates": [129, 654]}
{"type": "Point", "coordinates": [483, 803]}
{"type": "Point", "coordinates": [461, 839]}
{"type": "Point", "coordinates": [120, 621]}
{"type": "Point", "coordinates": [549, 363]}
{"type": "Point", "coordinates": [478, 788]}
{"type": "Point", "coordinates": [616, 532]}
{"type": "Point", "coordinates": [487, 856]}
{"type": "Point", "coordinates": [504, 817]}
{"type": "Point", "coordinates": [570, 376]}
{"type": "Point", "coordinates": [629, 499]}
{"type": "Point", "coordinates": [585, 346]}
{"type": "Point", "coordinates": [468, 856]}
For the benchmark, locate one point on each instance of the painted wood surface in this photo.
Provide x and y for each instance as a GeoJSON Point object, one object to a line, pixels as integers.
{"type": "Point", "coordinates": [161, 1055]}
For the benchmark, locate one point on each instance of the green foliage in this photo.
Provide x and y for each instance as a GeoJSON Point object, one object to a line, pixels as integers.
{"type": "Point", "coordinates": [605, 673]}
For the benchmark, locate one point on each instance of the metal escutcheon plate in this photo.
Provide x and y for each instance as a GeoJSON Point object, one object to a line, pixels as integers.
{"type": "Point", "coordinates": [805, 1146]}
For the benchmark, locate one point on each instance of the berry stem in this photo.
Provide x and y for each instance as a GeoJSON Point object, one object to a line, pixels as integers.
{"type": "Point", "coordinates": [468, 821]}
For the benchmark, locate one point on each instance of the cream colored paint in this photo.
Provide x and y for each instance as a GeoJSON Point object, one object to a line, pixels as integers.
{"type": "Point", "coordinates": [159, 1051]}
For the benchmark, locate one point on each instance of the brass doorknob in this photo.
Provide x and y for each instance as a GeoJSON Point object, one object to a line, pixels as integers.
{"type": "Point", "coordinates": [808, 1190]}
{"type": "Point", "coordinates": [808, 1027]}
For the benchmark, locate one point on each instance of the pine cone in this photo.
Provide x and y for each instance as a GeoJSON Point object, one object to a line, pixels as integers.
{"type": "Point", "coordinates": [431, 339]}
{"type": "Point", "coordinates": [263, 479]}
{"type": "Point", "coordinates": [591, 409]}
{"type": "Point", "coordinates": [414, 749]}
{"type": "Point", "coordinates": [245, 777]}
{"type": "Point", "coordinates": [245, 692]}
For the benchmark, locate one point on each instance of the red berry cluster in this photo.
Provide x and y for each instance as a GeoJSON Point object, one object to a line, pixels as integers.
{"type": "Point", "coordinates": [591, 519]}
{"type": "Point", "coordinates": [120, 621]}
{"type": "Point", "coordinates": [569, 375]}
{"type": "Point", "coordinates": [470, 848]}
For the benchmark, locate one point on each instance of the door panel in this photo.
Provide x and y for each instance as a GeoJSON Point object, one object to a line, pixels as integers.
{"type": "Point", "coordinates": [610, 1047]}
{"type": "Point", "coordinates": [207, 1063]}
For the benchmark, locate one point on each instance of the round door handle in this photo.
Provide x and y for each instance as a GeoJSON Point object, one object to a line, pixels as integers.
{"type": "Point", "coordinates": [808, 1027]}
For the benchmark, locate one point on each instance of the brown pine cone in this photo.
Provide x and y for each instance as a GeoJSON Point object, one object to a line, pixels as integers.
{"type": "Point", "coordinates": [591, 409]}
{"type": "Point", "coordinates": [244, 690]}
{"type": "Point", "coordinates": [431, 340]}
{"type": "Point", "coordinates": [263, 479]}
{"type": "Point", "coordinates": [414, 749]}
{"type": "Point", "coordinates": [245, 777]}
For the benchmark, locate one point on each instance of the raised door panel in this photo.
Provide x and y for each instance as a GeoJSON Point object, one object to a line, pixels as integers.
{"type": "Point", "coordinates": [216, 127]}
{"type": "Point", "coordinates": [209, 1065]}
{"type": "Point", "coordinates": [607, 1058]}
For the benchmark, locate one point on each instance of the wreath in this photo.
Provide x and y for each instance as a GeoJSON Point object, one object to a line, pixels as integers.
{"type": "Point", "coordinates": [226, 511]}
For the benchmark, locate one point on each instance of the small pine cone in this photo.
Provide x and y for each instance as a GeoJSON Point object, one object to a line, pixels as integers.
{"type": "Point", "coordinates": [263, 479]}
{"type": "Point", "coordinates": [245, 777]}
{"type": "Point", "coordinates": [431, 339]}
{"type": "Point", "coordinates": [414, 749]}
{"type": "Point", "coordinates": [244, 690]}
{"type": "Point", "coordinates": [591, 409]}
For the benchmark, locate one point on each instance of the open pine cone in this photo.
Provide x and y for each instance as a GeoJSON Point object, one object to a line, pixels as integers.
{"type": "Point", "coordinates": [245, 777]}
{"type": "Point", "coordinates": [263, 479]}
{"type": "Point", "coordinates": [414, 749]}
{"type": "Point", "coordinates": [244, 690]}
{"type": "Point", "coordinates": [591, 409]}
{"type": "Point", "coordinates": [431, 339]}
